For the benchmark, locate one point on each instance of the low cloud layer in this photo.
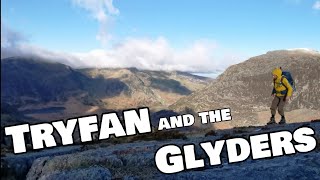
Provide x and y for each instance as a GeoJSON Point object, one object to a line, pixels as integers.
{"type": "Point", "coordinates": [142, 53]}
{"type": "Point", "coordinates": [203, 56]}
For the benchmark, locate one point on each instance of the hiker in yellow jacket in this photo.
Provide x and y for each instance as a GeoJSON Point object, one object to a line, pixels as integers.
{"type": "Point", "coordinates": [282, 93]}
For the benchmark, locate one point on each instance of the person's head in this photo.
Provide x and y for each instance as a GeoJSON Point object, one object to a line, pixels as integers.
{"type": "Point", "coordinates": [276, 73]}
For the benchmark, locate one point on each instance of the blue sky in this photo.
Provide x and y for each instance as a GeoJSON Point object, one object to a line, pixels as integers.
{"type": "Point", "coordinates": [242, 28]}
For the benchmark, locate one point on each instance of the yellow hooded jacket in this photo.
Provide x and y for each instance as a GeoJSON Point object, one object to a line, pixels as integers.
{"type": "Point", "coordinates": [281, 86]}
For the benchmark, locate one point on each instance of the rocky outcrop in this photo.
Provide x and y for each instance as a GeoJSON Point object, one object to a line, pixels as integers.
{"type": "Point", "coordinates": [136, 160]}
{"type": "Point", "coordinates": [93, 172]}
{"type": "Point", "coordinates": [17, 166]}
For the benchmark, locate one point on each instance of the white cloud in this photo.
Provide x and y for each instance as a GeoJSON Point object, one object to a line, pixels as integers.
{"type": "Point", "coordinates": [157, 54]}
{"type": "Point", "coordinates": [102, 11]}
{"type": "Point", "coordinates": [316, 5]}
{"type": "Point", "coordinates": [142, 53]}
{"type": "Point", "coordinates": [146, 53]}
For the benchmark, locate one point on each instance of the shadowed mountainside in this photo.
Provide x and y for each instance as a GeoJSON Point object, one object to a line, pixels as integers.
{"type": "Point", "coordinates": [49, 91]}
{"type": "Point", "coordinates": [155, 89]}
{"type": "Point", "coordinates": [32, 81]}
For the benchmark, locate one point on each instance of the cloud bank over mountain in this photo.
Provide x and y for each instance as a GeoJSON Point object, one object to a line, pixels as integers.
{"type": "Point", "coordinates": [151, 53]}
{"type": "Point", "coordinates": [143, 53]}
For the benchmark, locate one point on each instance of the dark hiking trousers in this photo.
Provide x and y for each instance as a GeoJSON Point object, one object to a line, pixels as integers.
{"type": "Point", "coordinates": [278, 102]}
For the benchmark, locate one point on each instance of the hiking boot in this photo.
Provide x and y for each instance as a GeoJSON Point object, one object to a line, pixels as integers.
{"type": "Point", "coordinates": [272, 121]}
{"type": "Point", "coordinates": [282, 120]}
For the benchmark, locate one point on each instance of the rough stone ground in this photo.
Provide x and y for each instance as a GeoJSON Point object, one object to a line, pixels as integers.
{"type": "Point", "coordinates": [136, 160]}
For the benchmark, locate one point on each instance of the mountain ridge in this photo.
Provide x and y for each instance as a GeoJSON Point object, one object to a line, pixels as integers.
{"type": "Point", "coordinates": [49, 90]}
{"type": "Point", "coordinates": [246, 88]}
